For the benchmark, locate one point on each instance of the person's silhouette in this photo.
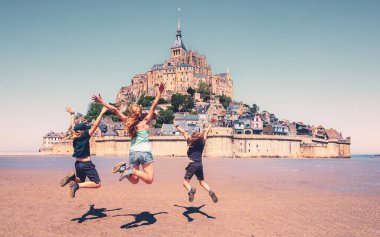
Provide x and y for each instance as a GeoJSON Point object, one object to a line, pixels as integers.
{"type": "Point", "coordinates": [143, 218]}
{"type": "Point", "coordinates": [191, 210]}
{"type": "Point", "coordinates": [95, 212]}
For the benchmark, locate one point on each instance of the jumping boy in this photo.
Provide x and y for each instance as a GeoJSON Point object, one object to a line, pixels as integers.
{"type": "Point", "coordinates": [196, 143]}
{"type": "Point", "coordinates": [81, 134]}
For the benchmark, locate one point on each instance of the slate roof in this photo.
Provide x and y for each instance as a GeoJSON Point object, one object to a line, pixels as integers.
{"type": "Point", "coordinates": [111, 133]}
{"type": "Point", "coordinates": [52, 134]}
{"type": "Point", "coordinates": [222, 74]}
{"type": "Point", "coordinates": [178, 43]}
{"type": "Point", "coordinates": [333, 134]}
{"type": "Point", "coordinates": [168, 129]}
{"type": "Point", "coordinates": [118, 126]}
{"type": "Point", "coordinates": [185, 65]}
{"type": "Point", "coordinates": [189, 117]}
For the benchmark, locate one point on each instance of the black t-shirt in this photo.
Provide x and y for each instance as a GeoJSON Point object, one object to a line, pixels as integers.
{"type": "Point", "coordinates": [195, 152]}
{"type": "Point", "coordinates": [82, 145]}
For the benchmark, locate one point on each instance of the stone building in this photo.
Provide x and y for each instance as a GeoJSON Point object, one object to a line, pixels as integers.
{"type": "Point", "coordinates": [185, 68]}
{"type": "Point", "coordinates": [51, 137]}
{"type": "Point", "coordinates": [257, 123]}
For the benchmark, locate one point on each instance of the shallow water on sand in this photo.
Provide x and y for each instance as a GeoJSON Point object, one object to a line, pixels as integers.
{"type": "Point", "coordinates": [355, 175]}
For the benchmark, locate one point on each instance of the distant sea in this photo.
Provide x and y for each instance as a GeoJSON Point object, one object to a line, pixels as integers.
{"type": "Point", "coordinates": [360, 174]}
{"type": "Point", "coordinates": [364, 156]}
{"type": "Point", "coordinates": [31, 154]}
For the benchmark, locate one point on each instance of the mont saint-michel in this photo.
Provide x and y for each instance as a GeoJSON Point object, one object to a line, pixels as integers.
{"type": "Point", "coordinates": [183, 70]}
{"type": "Point", "coordinates": [194, 95]}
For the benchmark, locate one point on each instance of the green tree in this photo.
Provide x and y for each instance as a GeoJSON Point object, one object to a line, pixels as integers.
{"type": "Point", "coordinates": [188, 103]}
{"type": "Point", "coordinates": [204, 91]}
{"type": "Point", "coordinates": [182, 103]}
{"type": "Point", "coordinates": [191, 91]}
{"type": "Point", "coordinates": [225, 100]}
{"type": "Point", "coordinates": [93, 111]}
{"type": "Point", "coordinates": [115, 118]}
{"type": "Point", "coordinates": [145, 101]}
{"type": "Point", "coordinates": [254, 108]}
{"type": "Point", "coordinates": [162, 101]}
{"type": "Point", "coordinates": [176, 100]}
{"type": "Point", "coordinates": [164, 116]}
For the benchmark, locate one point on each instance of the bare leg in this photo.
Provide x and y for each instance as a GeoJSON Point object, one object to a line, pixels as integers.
{"type": "Point", "coordinates": [211, 193]}
{"type": "Point", "coordinates": [133, 178]}
{"type": "Point", "coordinates": [204, 185]}
{"type": "Point", "coordinates": [89, 184]}
{"type": "Point", "coordinates": [186, 184]}
{"type": "Point", "coordinates": [147, 174]}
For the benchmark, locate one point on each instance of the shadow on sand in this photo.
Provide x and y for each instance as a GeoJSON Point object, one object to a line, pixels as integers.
{"type": "Point", "coordinates": [143, 218]}
{"type": "Point", "coordinates": [95, 213]}
{"type": "Point", "coordinates": [194, 210]}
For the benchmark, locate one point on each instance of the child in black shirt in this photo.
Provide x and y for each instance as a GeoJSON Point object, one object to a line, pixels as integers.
{"type": "Point", "coordinates": [196, 143]}
{"type": "Point", "coordinates": [81, 134]}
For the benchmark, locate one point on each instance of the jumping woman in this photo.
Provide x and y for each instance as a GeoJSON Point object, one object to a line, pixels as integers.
{"type": "Point", "coordinates": [81, 134]}
{"type": "Point", "coordinates": [136, 124]}
{"type": "Point", "coordinates": [196, 143]}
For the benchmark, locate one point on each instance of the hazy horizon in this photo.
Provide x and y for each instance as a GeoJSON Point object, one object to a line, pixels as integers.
{"type": "Point", "coordinates": [311, 61]}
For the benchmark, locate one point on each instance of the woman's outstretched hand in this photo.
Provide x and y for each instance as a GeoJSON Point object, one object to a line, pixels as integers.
{"type": "Point", "coordinates": [97, 98]}
{"type": "Point", "coordinates": [70, 110]}
{"type": "Point", "coordinates": [161, 87]}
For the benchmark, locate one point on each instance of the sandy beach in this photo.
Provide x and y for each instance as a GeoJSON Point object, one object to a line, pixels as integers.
{"type": "Point", "coordinates": [258, 197]}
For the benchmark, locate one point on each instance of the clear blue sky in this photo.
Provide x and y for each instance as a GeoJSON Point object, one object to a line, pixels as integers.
{"type": "Point", "coordinates": [312, 61]}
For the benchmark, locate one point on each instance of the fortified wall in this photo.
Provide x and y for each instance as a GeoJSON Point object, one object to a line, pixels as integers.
{"type": "Point", "coordinates": [221, 142]}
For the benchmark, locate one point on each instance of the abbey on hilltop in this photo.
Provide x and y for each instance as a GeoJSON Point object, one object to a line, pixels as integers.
{"type": "Point", "coordinates": [184, 69]}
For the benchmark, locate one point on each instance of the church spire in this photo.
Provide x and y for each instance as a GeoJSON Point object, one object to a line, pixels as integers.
{"type": "Point", "coordinates": [179, 23]}
{"type": "Point", "coordinates": [178, 43]}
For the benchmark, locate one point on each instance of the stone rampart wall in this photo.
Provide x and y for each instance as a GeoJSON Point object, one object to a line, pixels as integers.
{"type": "Point", "coordinates": [221, 142]}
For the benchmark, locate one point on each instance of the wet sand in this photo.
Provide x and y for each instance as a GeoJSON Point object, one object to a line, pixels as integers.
{"type": "Point", "coordinates": [258, 197]}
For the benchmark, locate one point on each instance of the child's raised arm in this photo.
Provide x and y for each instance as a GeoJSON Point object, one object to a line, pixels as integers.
{"type": "Point", "coordinates": [184, 133]}
{"type": "Point", "coordinates": [159, 91]}
{"type": "Point", "coordinates": [208, 129]}
{"type": "Point", "coordinates": [99, 99]}
{"type": "Point", "coordinates": [97, 121]}
{"type": "Point", "coordinates": [72, 117]}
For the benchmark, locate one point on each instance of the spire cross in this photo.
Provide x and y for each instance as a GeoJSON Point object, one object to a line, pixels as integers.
{"type": "Point", "coordinates": [179, 20]}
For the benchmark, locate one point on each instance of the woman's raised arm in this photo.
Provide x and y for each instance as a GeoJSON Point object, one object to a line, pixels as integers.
{"type": "Point", "coordinates": [97, 121]}
{"type": "Point", "coordinates": [99, 99]}
{"type": "Point", "coordinates": [159, 91]}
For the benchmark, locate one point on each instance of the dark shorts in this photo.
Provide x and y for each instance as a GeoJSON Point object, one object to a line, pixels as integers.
{"type": "Point", "coordinates": [86, 169]}
{"type": "Point", "coordinates": [194, 168]}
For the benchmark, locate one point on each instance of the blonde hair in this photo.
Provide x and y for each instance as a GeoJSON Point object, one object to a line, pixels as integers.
{"type": "Point", "coordinates": [134, 116]}
{"type": "Point", "coordinates": [196, 139]}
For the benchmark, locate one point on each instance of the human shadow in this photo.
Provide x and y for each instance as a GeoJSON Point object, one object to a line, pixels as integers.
{"type": "Point", "coordinates": [193, 210]}
{"type": "Point", "coordinates": [143, 218]}
{"type": "Point", "coordinates": [96, 213]}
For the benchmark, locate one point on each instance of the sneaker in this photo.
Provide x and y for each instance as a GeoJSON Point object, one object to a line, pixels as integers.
{"type": "Point", "coordinates": [69, 177]}
{"type": "Point", "coordinates": [191, 194]}
{"type": "Point", "coordinates": [127, 172]}
{"type": "Point", "coordinates": [120, 167]}
{"type": "Point", "coordinates": [73, 188]}
{"type": "Point", "coordinates": [213, 197]}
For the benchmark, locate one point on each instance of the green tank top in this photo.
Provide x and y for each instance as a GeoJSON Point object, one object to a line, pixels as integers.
{"type": "Point", "coordinates": [141, 141]}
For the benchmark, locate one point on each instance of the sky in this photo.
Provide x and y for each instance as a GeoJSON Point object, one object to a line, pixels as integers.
{"type": "Point", "coordinates": [304, 60]}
